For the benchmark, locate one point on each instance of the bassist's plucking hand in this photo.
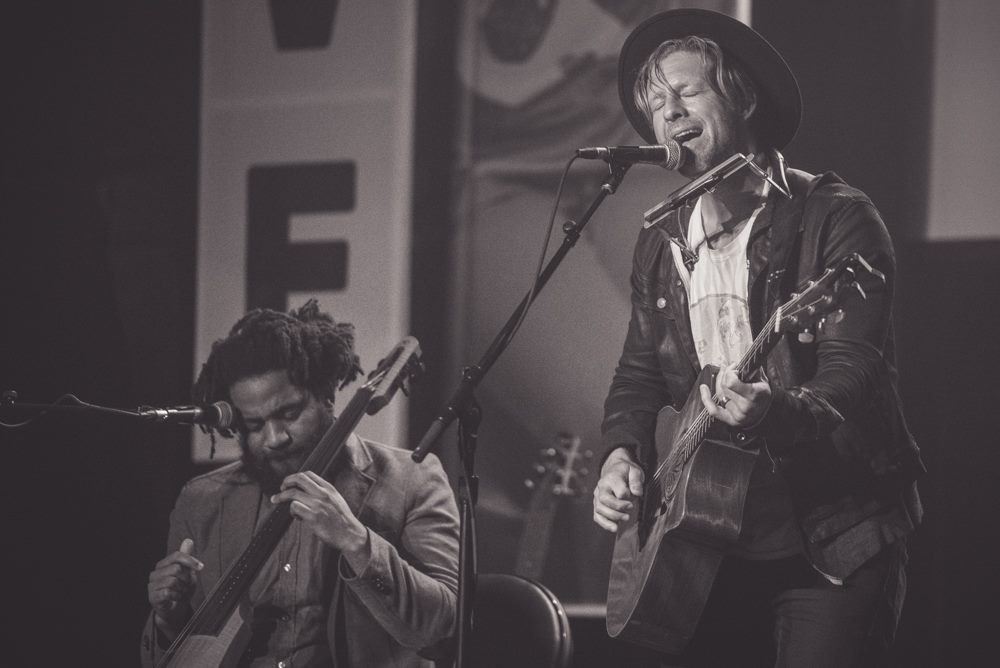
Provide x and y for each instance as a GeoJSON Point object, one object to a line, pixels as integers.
{"type": "Point", "coordinates": [618, 489]}
{"type": "Point", "coordinates": [171, 585]}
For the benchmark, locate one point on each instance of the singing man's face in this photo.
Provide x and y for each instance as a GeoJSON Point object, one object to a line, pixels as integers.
{"type": "Point", "coordinates": [687, 109]}
{"type": "Point", "coordinates": [281, 422]}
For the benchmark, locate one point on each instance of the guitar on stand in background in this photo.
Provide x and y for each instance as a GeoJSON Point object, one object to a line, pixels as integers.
{"type": "Point", "coordinates": [558, 475]}
{"type": "Point", "coordinates": [558, 484]}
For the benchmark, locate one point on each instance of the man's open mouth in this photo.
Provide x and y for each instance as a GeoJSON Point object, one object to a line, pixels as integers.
{"type": "Point", "coordinates": [686, 135]}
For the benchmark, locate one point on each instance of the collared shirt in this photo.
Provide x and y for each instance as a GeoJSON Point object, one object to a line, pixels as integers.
{"type": "Point", "coordinates": [290, 600]}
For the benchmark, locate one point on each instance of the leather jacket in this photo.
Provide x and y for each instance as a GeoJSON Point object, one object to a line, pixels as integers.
{"type": "Point", "coordinates": [835, 428]}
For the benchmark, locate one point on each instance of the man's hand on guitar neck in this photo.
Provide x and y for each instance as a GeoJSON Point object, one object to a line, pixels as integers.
{"type": "Point", "coordinates": [316, 503]}
{"type": "Point", "coordinates": [620, 485]}
{"type": "Point", "coordinates": [736, 403]}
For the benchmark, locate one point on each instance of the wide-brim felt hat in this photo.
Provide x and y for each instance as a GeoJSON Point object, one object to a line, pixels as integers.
{"type": "Point", "coordinates": [779, 101]}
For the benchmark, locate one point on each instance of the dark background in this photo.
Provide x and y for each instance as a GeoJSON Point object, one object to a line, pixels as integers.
{"type": "Point", "coordinates": [99, 185]}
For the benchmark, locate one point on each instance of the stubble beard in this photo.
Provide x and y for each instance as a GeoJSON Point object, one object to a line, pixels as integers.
{"type": "Point", "coordinates": [270, 473]}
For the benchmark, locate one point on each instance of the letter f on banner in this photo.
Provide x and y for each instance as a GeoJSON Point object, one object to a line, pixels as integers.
{"type": "Point", "coordinates": [275, 266]}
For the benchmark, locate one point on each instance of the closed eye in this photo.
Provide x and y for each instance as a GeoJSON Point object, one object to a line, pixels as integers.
{"type": "Point", "coordinates": [290, 414]}
{"type": "Point", "coordinates": [253, 426]}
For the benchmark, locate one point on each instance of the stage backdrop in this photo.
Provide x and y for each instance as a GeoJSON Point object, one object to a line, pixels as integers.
{"type": "Point", "coordinates": [964, 140]}
{"type": "Point", "coordinates": [539, 81]}
{"type": "Point", "coordinates": [305, 171]}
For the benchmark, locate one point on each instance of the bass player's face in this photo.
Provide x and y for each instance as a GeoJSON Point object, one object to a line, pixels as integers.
{"type": "Point", "coordinates": [281, 422]}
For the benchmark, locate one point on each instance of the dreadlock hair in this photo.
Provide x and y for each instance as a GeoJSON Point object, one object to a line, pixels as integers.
{"type": "Point", "coordinates": [316, 351]}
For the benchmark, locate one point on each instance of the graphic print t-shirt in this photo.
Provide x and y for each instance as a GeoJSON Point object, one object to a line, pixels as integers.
{"type": "Point", "coordinates": [720, 324]}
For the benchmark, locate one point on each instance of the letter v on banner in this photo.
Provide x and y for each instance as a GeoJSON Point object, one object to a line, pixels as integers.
{"type": "Point", "coordinates": [275, 266]}
{"type": "Point", "coordinates": [302, 24]}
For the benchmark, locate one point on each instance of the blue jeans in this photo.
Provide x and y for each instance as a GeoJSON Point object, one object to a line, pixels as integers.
{"type": "Point", "coordinates": [784, 614]}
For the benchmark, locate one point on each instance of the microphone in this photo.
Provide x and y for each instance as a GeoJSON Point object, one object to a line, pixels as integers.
{"type": "Point", "coordinates": [667, 155]}
{"type": "Point", "coordinates": [219, 415]}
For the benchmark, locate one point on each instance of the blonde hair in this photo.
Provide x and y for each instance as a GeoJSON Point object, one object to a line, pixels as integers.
{"type": "Point", "coordinates": [728, 79]}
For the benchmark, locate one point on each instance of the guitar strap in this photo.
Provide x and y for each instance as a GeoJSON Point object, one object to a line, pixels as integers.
{"type": "Point", "coordinates": [787, 227]}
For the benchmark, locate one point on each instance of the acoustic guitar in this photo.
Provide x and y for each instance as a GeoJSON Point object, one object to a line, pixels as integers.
{"type": "Point", "coordinates": [218, 632]}
{"type": "Point", "coordinates": [558, 474]}
{"type": "Point", "coordinates": [667, 553]}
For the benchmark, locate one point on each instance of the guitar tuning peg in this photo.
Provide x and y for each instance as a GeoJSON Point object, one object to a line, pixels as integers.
{"type": "Point", "coordinates": [806, 336]}
{"type": "Point", "coordinates": [540, 469]}
{"type": "Point", "coordinates": [835, 316]}
{"type": "Point", "coordinates": [530, 484]}
{"type": "Point", "coordinates": [549, 453]}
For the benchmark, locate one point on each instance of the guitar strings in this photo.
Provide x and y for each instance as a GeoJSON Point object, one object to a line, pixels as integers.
{"type": "Point", "coordinates": [703, 422]}
{"type": "Point", "coordinates": [693, 436]}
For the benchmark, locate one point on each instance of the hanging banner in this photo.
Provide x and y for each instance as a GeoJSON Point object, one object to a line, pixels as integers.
{"type": "Point", "coordinates": [305, 172]}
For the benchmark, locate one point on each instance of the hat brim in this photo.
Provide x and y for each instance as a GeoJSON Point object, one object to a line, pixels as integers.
{"type": "Point", "coordinates": [779, 103]}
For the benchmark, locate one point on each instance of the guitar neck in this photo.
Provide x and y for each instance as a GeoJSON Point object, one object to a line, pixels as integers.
{"type": "Point", "coordinates": [754, 357]}
{"type": "Point", "coordinates": [534, 545]}
{"type": "Point", "coordinates": [752, 360]}
{"type": "Point", "coordinates": [561, 481]}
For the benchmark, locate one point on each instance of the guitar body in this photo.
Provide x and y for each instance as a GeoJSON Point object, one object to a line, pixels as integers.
{"type": "Point", "coordinates": [221, 650]}
{"type": "Point", "coordinates": [667, 553]}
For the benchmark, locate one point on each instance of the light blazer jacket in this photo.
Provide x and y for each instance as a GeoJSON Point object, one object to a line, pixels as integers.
{"type": "Point", "coordinates": [403, 601]}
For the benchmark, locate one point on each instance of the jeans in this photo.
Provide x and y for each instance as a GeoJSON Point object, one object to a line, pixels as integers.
{"type": "Point", "coordinates": [785, 614]}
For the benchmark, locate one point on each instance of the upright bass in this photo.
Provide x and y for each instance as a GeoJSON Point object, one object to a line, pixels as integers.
{"type": "Point", "coordinates": [218, 632]}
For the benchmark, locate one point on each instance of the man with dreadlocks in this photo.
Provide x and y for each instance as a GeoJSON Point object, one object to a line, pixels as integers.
{"type": "Point", "coordinates": [367, 573]}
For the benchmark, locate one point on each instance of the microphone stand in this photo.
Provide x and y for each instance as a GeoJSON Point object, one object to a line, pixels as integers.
{"type": "Point", "coordinates": [466, 409]}
{"type": "Point", "coordinates": [9, 404]}
{"type": "Point", "coordinates": [71, 404]}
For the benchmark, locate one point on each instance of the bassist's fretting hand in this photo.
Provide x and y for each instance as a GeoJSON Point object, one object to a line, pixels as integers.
{"type": "Point", "coordinates": [620, 484]}
{"type": "Point", "coordinates": [316, 503]}
{"type": "Point", "coordinates": [171, 585]}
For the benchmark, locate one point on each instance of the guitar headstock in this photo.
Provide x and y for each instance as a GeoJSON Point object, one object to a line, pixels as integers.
{"type": "Point", "coordinates": [561, 466]}
{"type": "Point", "coordinates": [820, 300]}
{"type": "Point", "coordinates": [394, 372]}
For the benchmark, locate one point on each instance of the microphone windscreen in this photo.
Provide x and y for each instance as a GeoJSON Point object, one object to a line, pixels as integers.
{"type": "Point", "coordinates": [225, 415]}
{"type": "Point", "coordinates": [675, 155]}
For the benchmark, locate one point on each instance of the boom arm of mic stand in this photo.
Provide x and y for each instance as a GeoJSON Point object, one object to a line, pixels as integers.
{"type": "Point", "coordinates": [472, 375]}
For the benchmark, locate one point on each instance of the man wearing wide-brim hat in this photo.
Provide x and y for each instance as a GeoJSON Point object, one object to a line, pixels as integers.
{"type": "Point", "coordinates": [790, 540]}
